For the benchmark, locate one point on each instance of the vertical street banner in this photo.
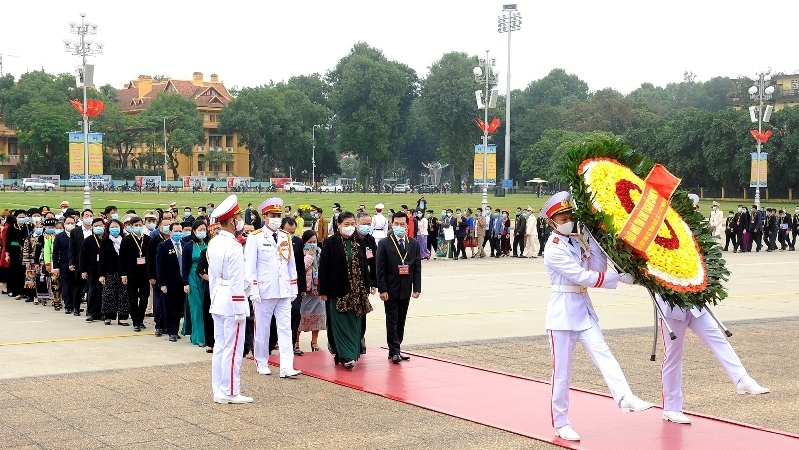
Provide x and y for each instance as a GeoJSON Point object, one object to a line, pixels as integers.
{"type": "Point", "coordinates": [763, 170]}
{"type": "Point", "coordinates": [491, 178]}
{"type": "Point", "coordinates": [77, 157]}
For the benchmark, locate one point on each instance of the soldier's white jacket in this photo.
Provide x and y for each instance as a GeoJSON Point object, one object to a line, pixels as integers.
{"type": "Point", "coordinates": [574, 267]}
{"type": "Point", "coordinates": [270, 266]}
{"type": "Point", "coordinates": [226, 276]}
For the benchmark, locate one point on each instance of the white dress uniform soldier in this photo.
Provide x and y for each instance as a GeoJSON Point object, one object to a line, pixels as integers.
{"type": "Point", "coordinates": [701, 323]}
{"type": "Point", "coordinates": [573, 266]}
{"type": "Point", "coordinates": [229, 308]}
{"type": "Point", "coordinates": [716, 221]}
{"type": "Point", "coordinates": [272, 273]}
{"type": "Point", "coordinates": [379, 224]}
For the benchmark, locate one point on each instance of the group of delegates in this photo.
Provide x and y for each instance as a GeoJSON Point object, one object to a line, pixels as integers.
{"type": "Point", "coordinates": [450, 234]}
{"type": "Point", "coordinates": [122, 268]}
{"type": "Point", "coordinates": [294, 284]}
{"type": "Point", "coordinates": [747, 229]}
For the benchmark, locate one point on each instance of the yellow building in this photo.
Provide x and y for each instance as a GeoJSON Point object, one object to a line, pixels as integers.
{"type": "Point", "coordinates": [211, 96]}
{"type": "Point", "coordinates": [786, 92]}
{"type": "Point", "coordinates": [9, 151]}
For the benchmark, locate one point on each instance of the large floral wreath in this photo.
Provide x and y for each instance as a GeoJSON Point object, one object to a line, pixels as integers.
{"type": "Point", "coordinates": [683, 264]}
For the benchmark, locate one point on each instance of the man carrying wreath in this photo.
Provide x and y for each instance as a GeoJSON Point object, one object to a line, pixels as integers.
{"type": "Point", "coordinates": [573, 266]}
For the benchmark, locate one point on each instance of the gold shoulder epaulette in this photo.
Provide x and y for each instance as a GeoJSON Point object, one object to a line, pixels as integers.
{"type": "Point", "coordinates": [257, 231]}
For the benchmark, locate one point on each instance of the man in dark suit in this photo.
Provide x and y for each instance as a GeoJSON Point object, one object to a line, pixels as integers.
{"type": "Point", "coordinates": [756, 228]}
{"type": "Point", "coordinates": [168, 261]}
{"type": "Point", "coordinates": [497, 228]}
{"type": "Point", "coordinates": [518, 234]}
{"type": "Point", "coordinates": [399, 277]}
{"type": "Point", "coordinates": [133, 270]}
{"type": "Point", "coordinates": [61, 263]}
{"type": "Point", "coordinates": [729, 232]}
{"type": "Point", "coordinates": [76, 237]}
{"type": "Point", "coordinates": [165, 224]}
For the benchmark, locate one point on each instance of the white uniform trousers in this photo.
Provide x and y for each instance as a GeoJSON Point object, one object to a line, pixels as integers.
{"type": "Point", "coordinates": [529, 246]}
{"type": "Point", "coordinates": [281, 309]}
{"type": "Point", "coordinates": [226, 360]}
{"type": "Point", "coordinates": [561, 344]}
{"type": "Point", "coordinates": [671, 370]}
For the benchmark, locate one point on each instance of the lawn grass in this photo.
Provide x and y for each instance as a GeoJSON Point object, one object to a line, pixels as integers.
{"type": "Point", "coordinates": [349, 201]}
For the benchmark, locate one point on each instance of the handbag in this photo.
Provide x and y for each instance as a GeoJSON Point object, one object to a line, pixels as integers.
{"type": "Point", "coordinates": [470, 242]}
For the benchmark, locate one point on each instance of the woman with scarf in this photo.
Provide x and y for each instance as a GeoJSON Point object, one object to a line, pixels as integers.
{"type": "Point", "coordinates": [192, 283]}
{"type": "Point", "coordinates": [48, 285]}
{"type": "Point", "coordinates": [344, 284]}
{"type": "Point", "coordinates": [115, 303]}
{"type": "Point", "coordinates": [31, 256]}
{"type": "Point", "coordinates": [505, 239]}
{"type": "Point", "coordinates": [202, 272]}
{"type": "Point", "coordinates": [312, 309]}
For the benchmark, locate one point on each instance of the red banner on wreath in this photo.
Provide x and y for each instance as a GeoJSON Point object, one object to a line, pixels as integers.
{"type": "Point", "coordinates": [641, 228]}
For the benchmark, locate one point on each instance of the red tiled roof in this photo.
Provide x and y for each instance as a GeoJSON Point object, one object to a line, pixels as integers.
{"type": "Point", "coordinates": [129, 100]}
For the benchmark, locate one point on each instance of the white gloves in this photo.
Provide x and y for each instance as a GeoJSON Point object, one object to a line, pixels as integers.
{"type": "Point", "coordinates": [240, 318]}
{"type": "Point", "coordinates": [255, 298]}
{"type": "Point", "coordinates": [626, 278]}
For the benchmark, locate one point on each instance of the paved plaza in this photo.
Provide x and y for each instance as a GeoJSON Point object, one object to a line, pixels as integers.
{"type": "Point", "coordinates": [69, 384]}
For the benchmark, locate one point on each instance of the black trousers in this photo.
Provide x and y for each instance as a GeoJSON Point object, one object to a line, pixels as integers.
{"type": "Point", "coordinates": [159, 312]}
{"type": "Point", "coordinates": [783, 238]}
{"type": "Point", "coordinates": [16, 271]}
{"type": "Point", "coordinates": [459, 247]}
{"type": "Point", "coordinates": [173, 309]}
{"type": "Point", "coordinates": [542, 241]}
{"type": "Point", "coordinates": [432, 244]}
{"type": "Point", "coordinates": [757, 238]}
{"type": "Point", "coordinates": [772, 240]}
{"type": "Point", "coordinates": [518, 244]}
{"type": "Point", "coordinates": [94, 298]}
{"type": "Point", "coordinates": [138, 294]}
{"type": "Point", "coordinates": [295, 319]}
{"type": "Point", "coordinates": [396, 312]}
{"type": "Point", "coordinates": [730, 239]}
{"type": "Point", "coordinates": [78, 289]}
{"type": "Point", "coordinates": [794, 233]}
{"type": "Point", "coordinates": [67, 279]}
{"type": "Point", "coordinates": [496, 247]}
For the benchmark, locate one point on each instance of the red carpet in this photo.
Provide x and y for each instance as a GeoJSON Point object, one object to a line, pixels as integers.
{"type": "Point", "coordinates": [521, 405]}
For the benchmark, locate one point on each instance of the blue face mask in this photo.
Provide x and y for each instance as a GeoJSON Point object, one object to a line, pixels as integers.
{"type": "Point", "coordinates": [115, 216]}
{"type": "Point", "coordinates": [58, 231]}
{"type": "Point", "coordinates": [364, 229]}
{"type": "Point", "coordinates": [399, 232]}
{"type": "Point", "coordinates": [138, 230]}
{"type": "Point", "coordinates": [128, 229]}
{"type": "Point", "coordinates": [38, 231]}
{"type": "Point", "coordinates": [24, 220]}
{"type": "Point", "coordinates": [98, 230]}
{"type": "Point", "coordinates": [201, 235]}
{"type": "Point", "coordinates": [165, 229]}
{"type": "Point", "coordinates": [209, 211]}
{"type": "Point", "coordinates": [114, 231]}
{"type": "Point", "coordinates": [177, 236]}
{"type": "Point", "coordinates": [50, 230]}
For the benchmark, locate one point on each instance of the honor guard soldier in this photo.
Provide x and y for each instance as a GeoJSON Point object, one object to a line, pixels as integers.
{"type": "Point", "coordinates": [271, 272]}
{"type": "Point", "coordinates": [574, 264]}
{"type": "Point", "coordinates": [706, 329]}
{"type": "Point", "coordinates": [229, 308]}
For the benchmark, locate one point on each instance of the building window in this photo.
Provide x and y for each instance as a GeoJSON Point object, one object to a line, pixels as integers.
{"type": "Point", "coordinates": [200, 163]}
{"type": "Point", "coordinates": [794, 84]}
{"type": "Point", "coordinates": [13, 150]}
{"type": "Point", "coordinates": [212, 118]}
{"type": "Point", "coordinates": [229, 141]}
{"type": "Point", "coordinates": [213, 167]}
{"type": "Point", "coordinates": [214, 141]}
{"type": "Point", "coordinates": [13, 173]}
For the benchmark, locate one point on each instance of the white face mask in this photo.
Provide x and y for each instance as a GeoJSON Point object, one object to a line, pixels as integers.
{"type": "Point", "coordinates": [274, 223]}
{"type": "Point", "coordinates": [87, 221]}
{"type": "Point", "coordinates": [69, 227]}
{"type": "Point", "coordinates": [347, 231]}
{"type": "Point", "coordinates": [239, 225]}
{"type": "Point", "coordinates": [565, 228]}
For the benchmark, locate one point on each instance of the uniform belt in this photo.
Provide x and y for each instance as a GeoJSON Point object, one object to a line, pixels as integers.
{"type": "Point", "coordinates": [224, 282]}
{"type": "Point", "coordinates": [571, 289]}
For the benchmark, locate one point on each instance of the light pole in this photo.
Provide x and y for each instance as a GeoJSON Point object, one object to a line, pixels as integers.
{"type": "Point", "coordinates": [486, 75]}
{"type": "Point", "coordinates": [759, 92]}
{"type": "Point", "coordinates": [82, 46]}
{"type": "Point", "coordinates": [512, 21]}
{"type": "Point", "coordinates": [313, 155]}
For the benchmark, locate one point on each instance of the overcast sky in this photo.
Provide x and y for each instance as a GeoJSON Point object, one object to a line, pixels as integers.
{"type": "Point", "coordinates": [613, 43]}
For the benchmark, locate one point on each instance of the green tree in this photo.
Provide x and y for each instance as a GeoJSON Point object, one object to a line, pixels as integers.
{"type": "Point", "coordinates": [122, 133]}
{"type": "Point", "coordinates": [545, 158]}
{"type": "Point", "coordinates": [42, 127]}
{"type": "Point", "coordinates": [448, 102]}
{"type": "Point", "coordinates": [368, 94]}
{"type": "Point", "coordinates": [557, 88]}
{"type": "Point", "coordinates": [184, 126]}
{"type": "Point", "coordinates": [218, 158]}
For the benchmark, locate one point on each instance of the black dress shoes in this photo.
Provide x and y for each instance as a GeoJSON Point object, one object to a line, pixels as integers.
{"type": "Point", "coordinates": [158, 332]}
{"type": "Point", "coordinates": [89, 318]}
{"type": "Point", "coordinates": [173, 338]}
{"type": "Point", "coordinates": [404, 358]}
{"type": "Point", "coordinates": [396, 359]}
